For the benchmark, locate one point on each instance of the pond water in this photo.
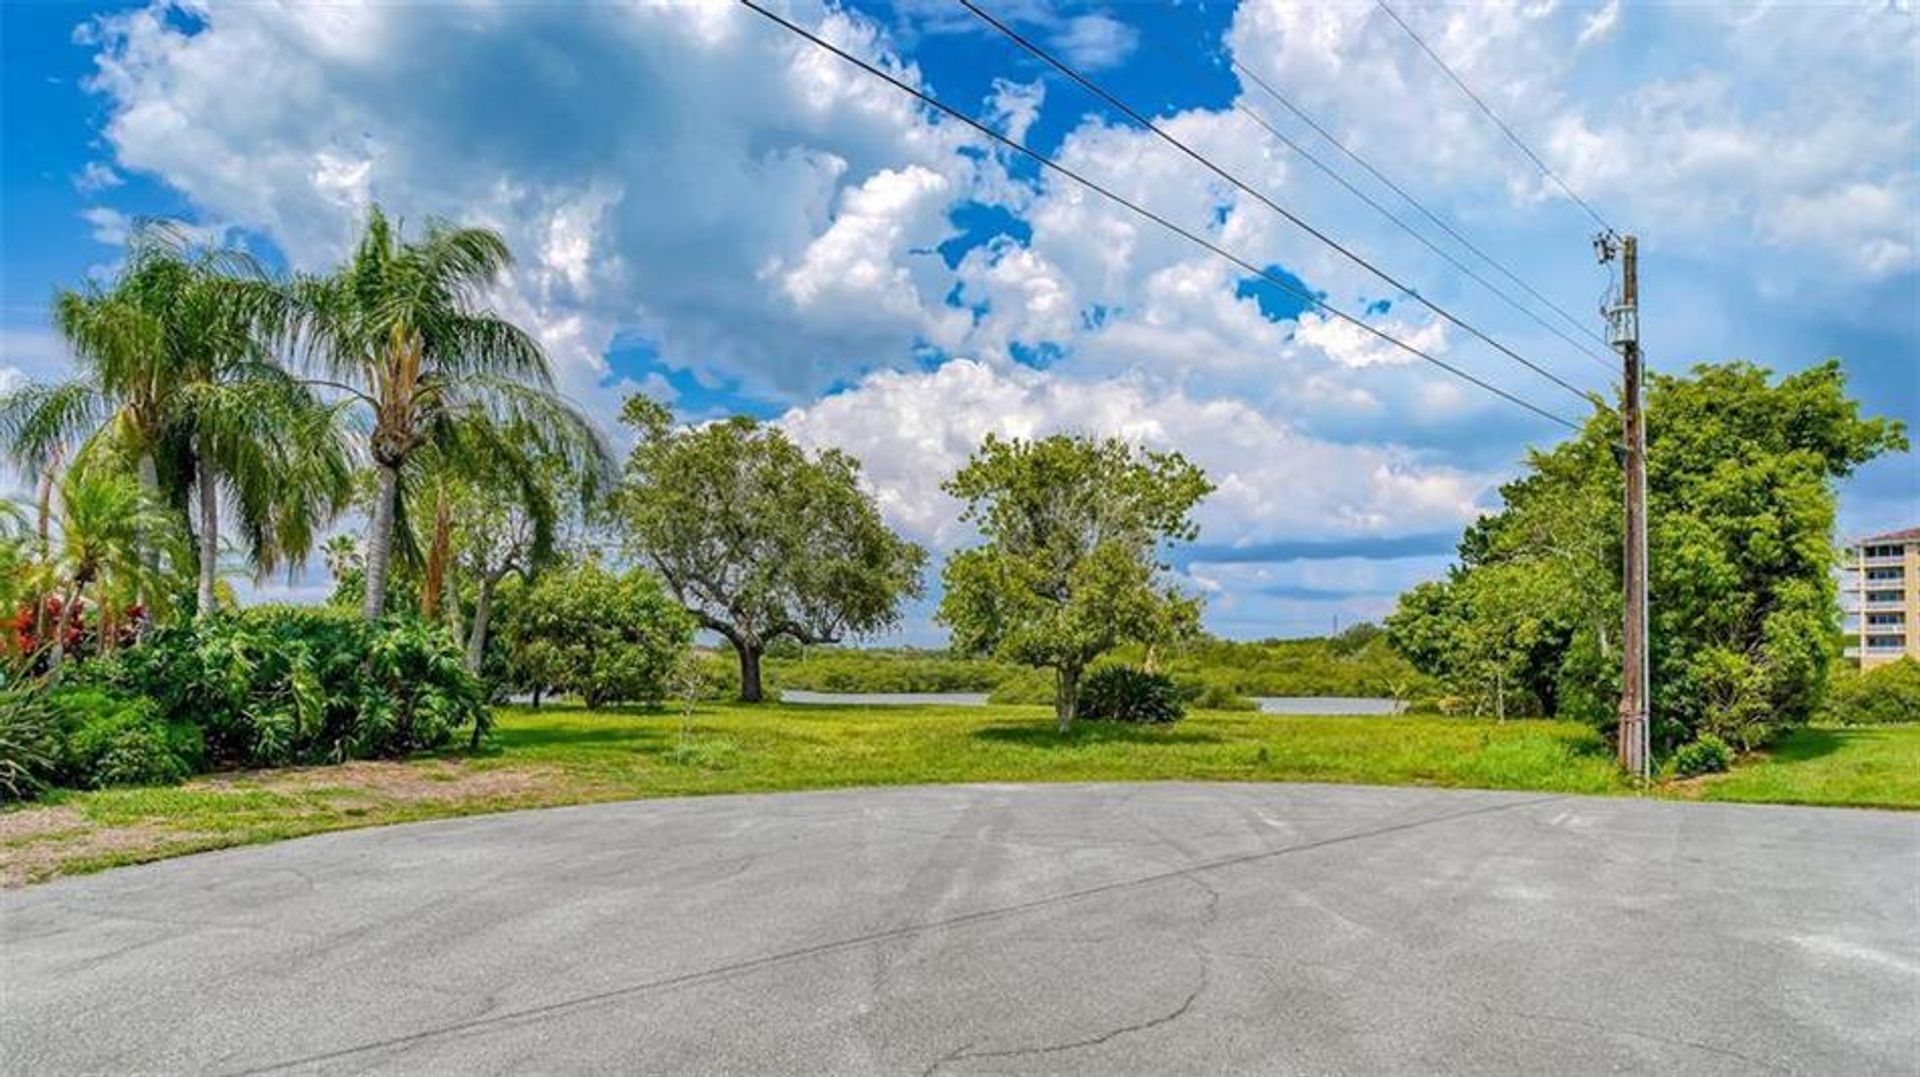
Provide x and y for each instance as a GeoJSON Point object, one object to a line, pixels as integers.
{"type": "Point", "coordinates": [888, 699]}
{"type": "Point", "coordinates": [1327, 705]}
{"type": "Point", "coordinates": [1268, 704]}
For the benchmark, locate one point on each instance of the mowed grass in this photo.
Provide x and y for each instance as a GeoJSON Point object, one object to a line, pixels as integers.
{"type": "Point", "coordinates": [568, 755]}
{"type": "Point", "coordinates": [1864, 767]}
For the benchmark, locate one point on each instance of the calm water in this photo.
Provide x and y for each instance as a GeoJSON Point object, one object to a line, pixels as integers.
{"type": "Point", "coordinates": [945, 699]}
{"type": "Point", "coordinates": [1268, 704]}
{"type": "Point", "coordinates": [1327, 705]}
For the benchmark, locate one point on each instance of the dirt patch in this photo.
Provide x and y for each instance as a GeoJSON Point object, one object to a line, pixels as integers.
{"type": "Point", "coordinates": [428, 781]}
{"type": "Point", "coordinates": [41, 842]}
{"type": "Point", "coordinates": [62, 852]}
{"type": "Point", "coordinates": [31, 824]}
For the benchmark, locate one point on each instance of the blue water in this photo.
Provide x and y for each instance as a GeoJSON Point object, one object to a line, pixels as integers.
{"type": "Point", "coordinates": [1268, 704]}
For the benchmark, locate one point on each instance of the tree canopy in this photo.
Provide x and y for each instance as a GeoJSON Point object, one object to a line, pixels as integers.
{"type": "Point", "coordinates": [1070, 565]}
{"type": "Point", "coordinates": [758, 539]}
{"type": "Point", "coordinates": [1741, 472]}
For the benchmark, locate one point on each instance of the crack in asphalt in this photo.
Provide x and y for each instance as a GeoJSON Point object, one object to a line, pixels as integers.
{"type": "Point", "coordinates": [724, 971]}
{"type": "Point", "coordinates": [1208, 917]}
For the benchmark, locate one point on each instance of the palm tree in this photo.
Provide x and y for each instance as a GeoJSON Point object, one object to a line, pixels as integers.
{"type": "Point", "coordinates": [107, 527]}
{"type": "Point", "coordinates": [401, 329]}
{"type": "Point", "coordinates": [177, 380]}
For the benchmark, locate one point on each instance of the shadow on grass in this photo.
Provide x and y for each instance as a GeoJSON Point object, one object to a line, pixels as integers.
{"type": "Point", "coordinates": [1807, 743]}
{"type": "Point", "coordinates": [1085, 733]}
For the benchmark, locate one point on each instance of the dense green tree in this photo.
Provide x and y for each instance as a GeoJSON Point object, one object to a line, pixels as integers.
{"type": "Point", "coordinates": [608, 638]}
{"type": "Point", "coordinates": [758, 539]}
{"type": "Point", "coordinates": [1070, 565]}
{"type": "Point", "coordinates": [1741, 472]}
{"type": "Point", "coordinates": [401, 330]}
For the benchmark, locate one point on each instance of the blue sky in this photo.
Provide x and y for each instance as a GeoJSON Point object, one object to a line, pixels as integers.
{"type": "Point", "coordinates": [707, 210]}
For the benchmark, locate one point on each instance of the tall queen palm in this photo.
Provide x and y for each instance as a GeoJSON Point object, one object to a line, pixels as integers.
{"type": "Point", "coordinates": [176, 380]}
{"type": "Point", "coordinates": [402, 328]}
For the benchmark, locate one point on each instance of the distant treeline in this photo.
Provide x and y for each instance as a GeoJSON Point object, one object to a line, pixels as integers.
{"type": "Point", "coordinates": [1213, 672]}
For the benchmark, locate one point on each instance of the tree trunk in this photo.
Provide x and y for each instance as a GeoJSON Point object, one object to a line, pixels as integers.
{"type": "Point", "coordinates": [380, 541]}
{"type": "Point", "coordinates": [149, 474]}
{"type": "Point", "coordinates": [749, 672]}
{"type": "Point", "coordinates": [209, 541]}
{"type": "Point", "coordinates": [477, 638]}
{"type": "Point", "coordinates": [1066, 696]}
{"type": "Point", "coordinates": [60, 627]}
{"type": "Point", "coordinates": [437, 554]}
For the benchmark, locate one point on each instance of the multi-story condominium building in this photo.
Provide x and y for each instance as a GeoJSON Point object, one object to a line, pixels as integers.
{"type": "Point", "coordinates": [1880, 592]}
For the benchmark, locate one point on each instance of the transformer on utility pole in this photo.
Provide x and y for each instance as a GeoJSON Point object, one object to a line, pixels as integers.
{"type": "Point", "coordinates": [1623, 332]}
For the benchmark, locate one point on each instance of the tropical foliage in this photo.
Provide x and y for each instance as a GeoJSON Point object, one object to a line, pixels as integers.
{"type": "Point", "coordinates": [401, 331]}
{"type": "Point", "coordinates": [1127, 694]}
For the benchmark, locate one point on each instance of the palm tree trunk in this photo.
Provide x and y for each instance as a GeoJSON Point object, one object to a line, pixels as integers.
{"type": "Point", "coordinates": [482, 613]}
{"type": "Point", "coordinates": [437, 555]}
{"type": "Point", "coordinates": [60, 627]}
{"type": "Point", "coordinates": [380, 541]}
{"type": "Point", "coordinates": [149, 474]}
{"type": "Point", "coordinates": [209, 541]}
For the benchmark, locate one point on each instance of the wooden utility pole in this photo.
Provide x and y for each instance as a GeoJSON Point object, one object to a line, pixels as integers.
{"type": "Point", "coordinates": [1623, 325]}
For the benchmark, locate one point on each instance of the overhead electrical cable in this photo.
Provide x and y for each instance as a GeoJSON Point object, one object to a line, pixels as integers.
{"type": "Point", "coordinates": [1580, 348]}
{"type": "Point", "coordinates": [1134, 114]}
{"type": "Point", "coordinates": [1353, 155]}
{"type": "Point", "coordinates": [1049, 163]}
{"type": "Point", "coordinates": [1495, 117]}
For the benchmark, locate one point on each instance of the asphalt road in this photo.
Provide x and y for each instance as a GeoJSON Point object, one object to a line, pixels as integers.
{"type": "Point", "coordinates": [1099, 929]}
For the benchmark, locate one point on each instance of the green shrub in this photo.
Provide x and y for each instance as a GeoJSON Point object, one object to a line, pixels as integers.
{"type": "Point", "coordinates": [1210, 692]}
{"type": "Point", "coordinates": [847, 669]}
{"type": "Point", "coordinates": [30, 742]}
{"type": "Point", "coordinates": [606, 637]}
{"type": "Point", "coordinates": [110, 739]}
{"type": "Point", "coordinates": [276, 685]}
{"type": "Point", "coordinates": [1126, 694]}
{"type": "Point", "coordinates": [1882, 695]}
{"type": "Point", "coordinates": [1706, 754]}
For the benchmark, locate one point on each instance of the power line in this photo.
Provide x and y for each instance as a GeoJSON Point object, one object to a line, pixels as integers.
{"type": "Point", "coordinates": [1495, 117]}
{"type": "Point", "coordinates": [1438, 221]}
{"type": "Point", "coordinates": [1262, 122]}
{"type": "Point", "coordinates": [1055, 166]}
{"type": "Point", "coordinates": [1092, 87]}
{"type": "Point", "coordinates": [1335, 175]}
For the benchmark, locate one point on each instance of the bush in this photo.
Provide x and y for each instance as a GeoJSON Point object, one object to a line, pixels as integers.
{"type": "Point", "coordinates": [116, 740]}
{"type": "Point", "coordinates": [1879, 696]}
{"type": "Point", "coordinates": [1209, 692]}
{"type": "Point", "coordinates": [282, 684]}
{"type": "Point", "coordinates": [1126, 694]}
{"type": "Point", "coordinates": [30, 743]}
{"type": "Point", "coordinates": [1707, 754]}
{"type": "Point", "coordinates": [607, 638]}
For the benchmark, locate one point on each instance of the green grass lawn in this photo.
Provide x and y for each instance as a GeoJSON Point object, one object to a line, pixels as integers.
{"type": "Point", "coordinates": [1864, 767]}
{"type": "Point", "coordinates": [566, 755]}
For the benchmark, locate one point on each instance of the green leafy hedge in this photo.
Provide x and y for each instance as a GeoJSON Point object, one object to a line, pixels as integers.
{"type": "Point", "coordinates": [1880, 696]}
{"type": "Point", "coordinates": [285, 684]}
